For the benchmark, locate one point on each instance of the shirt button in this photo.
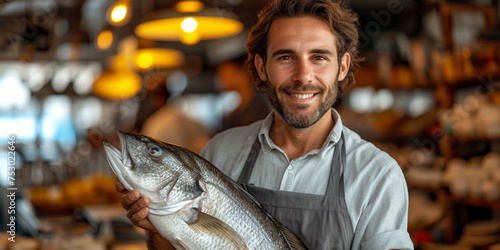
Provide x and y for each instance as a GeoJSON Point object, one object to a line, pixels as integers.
{"type": "Point", "coordinates": [290, 167]}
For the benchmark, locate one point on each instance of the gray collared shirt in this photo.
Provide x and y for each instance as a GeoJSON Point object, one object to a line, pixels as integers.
{"type": "Point", "coordinates": [375, 187]}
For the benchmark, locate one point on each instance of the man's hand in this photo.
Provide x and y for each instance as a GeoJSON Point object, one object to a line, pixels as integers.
{"type": "Point", "coordinates": [137, 212]}
{"type": "Point", "coordinates": [137, 208]}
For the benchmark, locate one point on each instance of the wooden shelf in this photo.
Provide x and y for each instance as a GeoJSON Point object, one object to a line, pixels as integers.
{"type": "Point", "coordinates": [477, 202]}
{"type": "Point", "coordinates": [445, 196]}
{"type": "Point", "coordinates": [403, 78]}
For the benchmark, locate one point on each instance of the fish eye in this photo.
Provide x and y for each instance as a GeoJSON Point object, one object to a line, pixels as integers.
{"type": "Point", "coordinates": [154, 151]}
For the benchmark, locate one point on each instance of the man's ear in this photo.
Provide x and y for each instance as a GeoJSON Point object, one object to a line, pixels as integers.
{"type": "Point", "coordinates": [345, 62]}
{"type": "Point", "coordinates": [260, 66]}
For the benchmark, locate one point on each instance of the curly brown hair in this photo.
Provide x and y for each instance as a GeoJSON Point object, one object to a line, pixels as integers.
{"type": "Point", "coordinates": [342, 21]}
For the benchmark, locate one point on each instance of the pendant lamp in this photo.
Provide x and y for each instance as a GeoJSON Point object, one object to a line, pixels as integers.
{"type": "Point", "coordinates": [148, 59]}
{"type": "Point", "coordinates": [189, 22]}
{"type": "Point", "coordinates": [117, 84]}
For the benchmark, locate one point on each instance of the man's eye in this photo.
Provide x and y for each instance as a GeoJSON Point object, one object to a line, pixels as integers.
{"type": "Point", "coordinates": [285, 58]}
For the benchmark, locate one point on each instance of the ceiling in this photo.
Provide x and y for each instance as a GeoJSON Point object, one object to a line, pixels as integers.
{"type": "Point", "coordinates": [62, 30]}
{"type": "Point", "coordinates": [48, 30]}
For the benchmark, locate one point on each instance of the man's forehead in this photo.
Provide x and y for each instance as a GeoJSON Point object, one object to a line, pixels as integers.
{"type": "Point", "coordinates": [293, 33]}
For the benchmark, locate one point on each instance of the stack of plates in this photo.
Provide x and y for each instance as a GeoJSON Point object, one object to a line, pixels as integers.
{"type": "Point", "coordinates": [481, 233]}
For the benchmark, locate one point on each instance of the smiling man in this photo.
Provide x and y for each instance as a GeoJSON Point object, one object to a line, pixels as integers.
{"type": "Point", "coordinates": [317, 177]}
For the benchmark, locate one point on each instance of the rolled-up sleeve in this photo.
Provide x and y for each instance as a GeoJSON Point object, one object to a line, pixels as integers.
{"type": "Point", "coordinates": [383, 221]}
{"type": "Point", "coordinates": [396, 239]}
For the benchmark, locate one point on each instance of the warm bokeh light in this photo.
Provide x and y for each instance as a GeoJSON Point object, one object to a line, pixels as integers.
{"type": "Point", "coordinates": [104, 39]}
{"type": "Point", "coordinates": [144, 60]}
{"type": "Point", "coordinates": [158, 58]}
{"type": "Point", "coordinates": [117, 85]}
{"type": "Point", "coordinates": [171, 29]}
{"type": "Point", "coordinates": [189, 25]}
{"type": "Point", "coordinates": [147, 58]}
{"type": "Point", "coordinates": [188, 6]}
{"type": "Point", "coordinates": [190, 38]}
{"type": "Point", "coordinates": [119, 13]}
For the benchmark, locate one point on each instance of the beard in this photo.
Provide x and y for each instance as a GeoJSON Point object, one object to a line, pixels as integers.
{"type": "Point", "coordinates": [305, 119]}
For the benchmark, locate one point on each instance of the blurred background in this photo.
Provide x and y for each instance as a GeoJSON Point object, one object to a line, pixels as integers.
{"type": "Point", "coordinates": [73, 72]}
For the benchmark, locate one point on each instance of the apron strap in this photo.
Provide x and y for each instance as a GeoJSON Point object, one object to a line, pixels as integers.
{"type": "Point", "coordinates": [250, 162]}
{"type": "Point", "coordinates": [338, 164]}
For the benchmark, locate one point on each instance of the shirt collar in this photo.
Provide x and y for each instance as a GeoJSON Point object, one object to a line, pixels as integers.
{"type": "Point", "coordinates": [268, 144]}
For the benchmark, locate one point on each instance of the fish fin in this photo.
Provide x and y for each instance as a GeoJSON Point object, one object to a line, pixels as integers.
{"type": "Point", "coordinates": [293, 240]}
{"type": "Point", "coordinates": [180, 245]}
{"type": "Point", "coordinates": [211, 225]}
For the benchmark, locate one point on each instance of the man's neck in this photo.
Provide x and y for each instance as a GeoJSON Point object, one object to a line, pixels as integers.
{"type": "Point", "coordinates": [298, 141]}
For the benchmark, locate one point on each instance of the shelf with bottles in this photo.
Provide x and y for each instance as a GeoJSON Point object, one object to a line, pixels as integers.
{"type": "Point", "coordinates": [476, 118]}
{"type": "Point", "coordinates": [474, 181]}
{"type": "Point", "coordinates": [451, 70]}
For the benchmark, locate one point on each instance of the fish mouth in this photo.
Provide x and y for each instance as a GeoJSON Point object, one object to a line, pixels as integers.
{"type": "Point", "coordinates": [119, 160]}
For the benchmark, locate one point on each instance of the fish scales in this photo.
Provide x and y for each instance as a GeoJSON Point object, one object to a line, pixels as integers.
{"type": "Point", "coordinates": [192, 203]}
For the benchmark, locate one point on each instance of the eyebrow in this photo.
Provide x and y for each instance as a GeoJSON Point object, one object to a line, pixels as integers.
{"type": "Point", "coordinates": [291, 51]}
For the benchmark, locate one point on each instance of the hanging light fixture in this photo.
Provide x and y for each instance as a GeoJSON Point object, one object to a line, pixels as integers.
{"type": "Point", "coordinates": [148, 58]}
{"type": "Point", "coordinates": [189, 22]}
{"type": "Point", "coordinates": [121, 80]}
{"type": "Point", "coordinates": [117, 85]}
{"type": "Point", "coordinates": [119, 13]}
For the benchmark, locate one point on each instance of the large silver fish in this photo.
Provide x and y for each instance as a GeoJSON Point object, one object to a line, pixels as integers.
{"type": "Point", "coordinates": [192, 203]}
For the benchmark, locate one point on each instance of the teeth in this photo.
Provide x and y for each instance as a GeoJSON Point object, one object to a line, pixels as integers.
{"type": "Point", "coordinates": [303, 96]}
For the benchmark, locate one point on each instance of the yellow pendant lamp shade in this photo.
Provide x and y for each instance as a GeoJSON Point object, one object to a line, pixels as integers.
{"type": "Point", "coordinates": [187, 6]}
{"type": "Point", "coordinates": [189, 28]}
{"type": "Point", "coordinates": [117, 85]}
{"type": "Point", "coordinates": [158, 58]}
{"type": "Point", "coordinates": [148, 58]}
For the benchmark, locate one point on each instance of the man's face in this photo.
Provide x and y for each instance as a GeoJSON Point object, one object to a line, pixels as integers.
{"type": "Point", "coordinates": [301, 69]}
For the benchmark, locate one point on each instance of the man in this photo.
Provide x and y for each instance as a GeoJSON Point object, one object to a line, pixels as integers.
{"type": "Point", "coordinates": [317, 177]}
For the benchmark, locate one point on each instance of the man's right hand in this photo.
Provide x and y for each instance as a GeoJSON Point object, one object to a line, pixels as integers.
{"type": "Point", "coordinates": [137, 208]}
{"type": "Point", "coordinates": [137, 211]}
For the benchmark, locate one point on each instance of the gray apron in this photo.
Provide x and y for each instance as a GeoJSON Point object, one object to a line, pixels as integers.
{"type": "Point", "coordinates": [320, 221]}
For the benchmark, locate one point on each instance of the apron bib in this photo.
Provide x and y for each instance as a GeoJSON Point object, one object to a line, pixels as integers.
{"type": "Point", "coordinates": [320, 221]}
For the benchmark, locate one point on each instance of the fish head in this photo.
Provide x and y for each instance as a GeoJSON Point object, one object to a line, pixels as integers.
{"type": "Point", "coordinates": [165, 173]}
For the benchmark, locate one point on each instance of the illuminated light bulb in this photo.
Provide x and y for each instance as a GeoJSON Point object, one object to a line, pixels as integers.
{"type": "Point", "coordinates": [118, 14]}
{"type": "Point", "coordinates": [189, 25]}
{"type": "Point", "coordinates": [172, 25]}
{"type": "Point", "coordinates": [104, 39]}
{"type": "Point", "coordinates": [145, 60]}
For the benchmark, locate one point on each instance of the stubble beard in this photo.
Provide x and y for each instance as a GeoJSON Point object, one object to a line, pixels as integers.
{"type": "Point", "coordinates": [301, 120]}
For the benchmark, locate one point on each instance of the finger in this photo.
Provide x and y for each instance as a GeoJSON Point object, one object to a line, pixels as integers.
{"type": "Point", "coordinates": [139, 210]}
{"type": "Point", "coordinates": [138, 216]}
{"type": "Point", "coordinates": [120, 188]}
{"type": "Point", "coordinates": [129, 198]}
{"type": "Point", "coordinates": [140, 204]}
{"type": "Point", "coordinates": [140, 219]}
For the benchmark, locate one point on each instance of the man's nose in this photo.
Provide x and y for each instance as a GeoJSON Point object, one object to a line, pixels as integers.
{"type": "Point", "coordinates": [303, 72]}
